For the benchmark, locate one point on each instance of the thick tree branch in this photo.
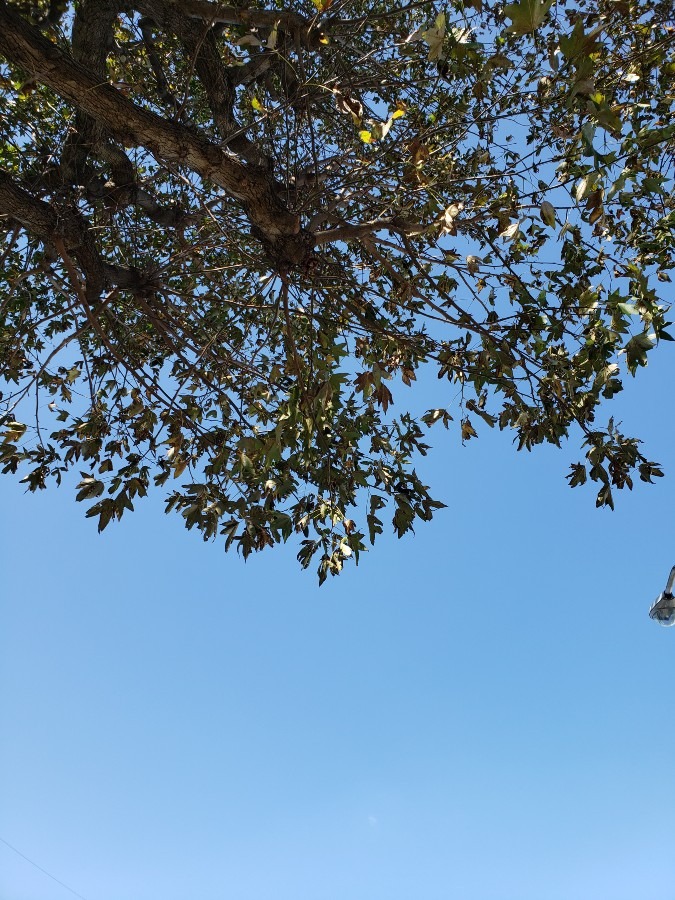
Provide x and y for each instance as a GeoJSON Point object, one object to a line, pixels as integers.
{"type": "Point", "coordinates": [44, 222]}
{"type": "Point", "coordinates": [276, 226]}
{"type": "Point", "coordinates": [165, 95]}
{"type": "Point", "coordinates": [351, 232]}
{"type": "Point", "coordinates": [216, 79]}
{"type": "Point", "coordinates": [92, 41]}
{"type": "Point", "coordinates": [300, 29]}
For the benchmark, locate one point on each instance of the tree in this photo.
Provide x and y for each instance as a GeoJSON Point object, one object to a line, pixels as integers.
{"type": "Point", "coordinates": [233, 233]}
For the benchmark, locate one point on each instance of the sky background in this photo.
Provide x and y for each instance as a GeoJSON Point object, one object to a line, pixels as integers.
{"type": "Point", "coordinates": [482, 711]}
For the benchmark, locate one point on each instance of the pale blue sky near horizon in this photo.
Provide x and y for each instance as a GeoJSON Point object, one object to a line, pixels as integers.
{"type": "Point", "coordinates": [482, 711]}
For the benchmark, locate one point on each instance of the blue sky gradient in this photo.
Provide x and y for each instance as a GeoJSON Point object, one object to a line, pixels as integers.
{"type": "Point", "coordinates": [482, 711]}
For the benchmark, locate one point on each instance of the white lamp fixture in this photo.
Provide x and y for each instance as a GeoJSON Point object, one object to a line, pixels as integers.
{"type": "Point", "coordinates": [663, 608]}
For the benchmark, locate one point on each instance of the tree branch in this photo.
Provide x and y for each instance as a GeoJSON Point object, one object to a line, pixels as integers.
{"type": "Point", "coordinates": [300, 29]}
{"type": "Point", "coordinates": [351, 232]}
{"type": "Point", "coordinates": [216, 80]}
{"type": "Point", "coordinates": [271, 221]}
{"type": "Point", "coordinates": [44, 222]}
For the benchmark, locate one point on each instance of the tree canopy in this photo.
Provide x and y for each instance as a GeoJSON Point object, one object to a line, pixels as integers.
{"type": "Point", "coordinates": [234, 233]}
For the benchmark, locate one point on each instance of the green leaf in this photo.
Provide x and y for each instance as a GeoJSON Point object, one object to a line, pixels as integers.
{"type": "Point", "coordinates": [273, 37]}
{"type": "Point", "coordinates": [527, 15]}
{"type": "Point", "coordinates": [434, 37]}
{"type": "Point", "coordinates": [627, 308]}
{"type": "Point", "coordinates": [547, 213]}
{"type": "Point", "coordinates": [255, 299]}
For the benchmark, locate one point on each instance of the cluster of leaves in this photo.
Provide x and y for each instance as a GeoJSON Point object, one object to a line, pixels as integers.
{"type": "Point", "coordinates": [234, 233]}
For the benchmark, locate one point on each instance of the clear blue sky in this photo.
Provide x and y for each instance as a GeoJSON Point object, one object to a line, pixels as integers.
{"type": "Point", "coordinates": [482, 711]}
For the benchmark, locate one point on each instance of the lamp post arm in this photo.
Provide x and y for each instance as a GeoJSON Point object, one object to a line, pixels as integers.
{"type": "Point", "coordinates": [671, 581]}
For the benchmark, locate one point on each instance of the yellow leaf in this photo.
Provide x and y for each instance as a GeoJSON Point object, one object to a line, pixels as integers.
{"type": "Point", "coordinates": [257, 105]}
{"type": "Point", "coordinates": [366, 137]}
{"type": "Point", "coordinates": [398, 114]}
